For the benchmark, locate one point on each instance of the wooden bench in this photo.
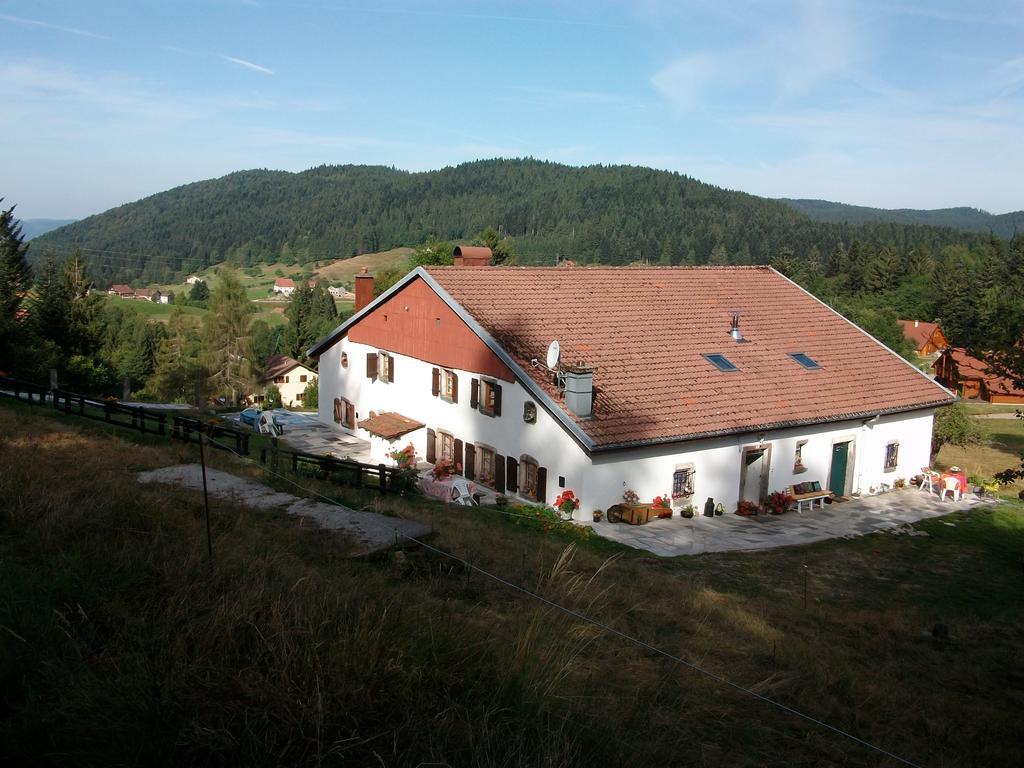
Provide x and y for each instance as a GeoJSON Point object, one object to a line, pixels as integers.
{"type": "Point", "coordinates": [809, 498]}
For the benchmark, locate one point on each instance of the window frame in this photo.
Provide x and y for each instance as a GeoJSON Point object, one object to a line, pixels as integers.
{"type": "Point", "coordinates": [714, 357]}
{"type": "Point", "coordinates": [449, 386]}
{"type": "Point", "coordinates": [482, 454]}
{"type": "Point", "coordinates": [685, 489]}
{"type": "Point", "coordinates": [445, 439]}
{"type": "Point", "coordinates": [488, 396]}
{"type": "Point", "coordinates": [798, 457]}
{"type": "Point", "coordinates": [894, 446]}
{"type": "Point", "coordinates": [810, 365]}
{"type": "Point", "coordinates": [525, 491]}
{"type": "Point", "coordinates": [385, 368]}
{"type": "Point", "coordinates": [345, 403]}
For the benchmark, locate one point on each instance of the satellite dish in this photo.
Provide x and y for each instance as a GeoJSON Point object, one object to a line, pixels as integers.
{"type": "Point", "coordinates": [553, 352]}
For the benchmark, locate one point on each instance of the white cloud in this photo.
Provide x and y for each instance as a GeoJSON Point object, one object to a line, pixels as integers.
{"type": "Point", "coordinates": [56, 27]}
{"type": "Point", "coordinates": [248, 65]}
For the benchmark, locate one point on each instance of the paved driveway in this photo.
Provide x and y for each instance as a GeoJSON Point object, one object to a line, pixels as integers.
{"type": "Point", "coordinates": [730, 532]}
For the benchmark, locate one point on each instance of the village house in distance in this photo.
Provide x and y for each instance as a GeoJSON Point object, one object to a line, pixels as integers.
{"type": "Point", "coordinates": [289, 375]}
{"type": "Point", "coordinates": [723, 383]}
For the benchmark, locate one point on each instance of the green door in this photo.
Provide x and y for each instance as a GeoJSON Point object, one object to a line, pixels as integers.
{"type": "Point", "coordinates": [837, 475]}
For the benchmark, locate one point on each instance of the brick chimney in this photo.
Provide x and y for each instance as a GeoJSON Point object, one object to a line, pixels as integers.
{"type": "Point", "coordinates": [471, 256]}
{"type": "Point", "coordinates": [364, 289]}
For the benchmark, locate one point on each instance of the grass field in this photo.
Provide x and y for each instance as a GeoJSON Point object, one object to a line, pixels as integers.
{"type": "Point", "coordinates": [1002, 447]}
{"type": "Point", "coordinates": [118, 644]}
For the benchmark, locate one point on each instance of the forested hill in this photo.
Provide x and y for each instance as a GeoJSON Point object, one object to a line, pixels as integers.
{"type": "Point", "coordinates": [607, 214]}
{"type": "Point", "coordinates": [1005, 225]}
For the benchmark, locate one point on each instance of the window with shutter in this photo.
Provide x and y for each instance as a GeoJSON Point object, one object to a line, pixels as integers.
{"type": "Point", "coordinates": [449, 384]}
{"type": "Point", "coordinates": [511, 475]}
{"type": "Point", "coordinates": [499, 473]}
{"type": "Point", "coordinates": [387, 368]}
{"type": "Point", "coordinates": [490, 398]}
{"type": "Point", "coordinates": [485, 459]}
{"type": "Point", "coordinates": [446, 444]}
{"type": "Point", "coordinates": [542, 485]}
{"type": "Point", "coordinates": [470, 468]}
{"type": "Point", "coordinates": [528, 473]}
{"type": "Point", "coordinates": [431, 446]}
{"type": "Point", "coordinates": [371, 365]}
{"type": "Point", "coordinates": [350, 416]}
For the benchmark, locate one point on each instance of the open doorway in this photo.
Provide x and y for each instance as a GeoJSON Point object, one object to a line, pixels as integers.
{"type": "Point", "coordinates": [754, 467]}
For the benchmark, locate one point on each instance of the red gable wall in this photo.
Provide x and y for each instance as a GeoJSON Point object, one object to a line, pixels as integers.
{"type": "Point", "coordinates": [416, 322]}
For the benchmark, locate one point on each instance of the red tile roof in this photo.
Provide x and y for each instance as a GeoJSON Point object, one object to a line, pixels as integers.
{"type": "Point", "coordinates": [284, 282]}
{"type": "Point", "coordinates": [970, 367]}
{"type": "Point", "coordinates": [918, 331]}
{"type": "Point", "coordinates": [645, 329]}
{"type": "Point", "coordinates": [390, 426]}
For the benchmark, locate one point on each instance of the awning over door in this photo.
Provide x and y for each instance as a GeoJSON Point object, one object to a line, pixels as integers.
{"type": "Point", "coordinates": [390, 426]}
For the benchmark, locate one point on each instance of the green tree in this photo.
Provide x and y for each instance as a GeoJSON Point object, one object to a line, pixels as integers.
{"type": "Point", "coordinates": [311, 395]}
{"type": "Point", "coordinates": [954, 425]}
{"type": "Point", "coordinates": [178, 376]}
{"type": "Point", "coordinates": [273, 396]}
{"type": "Point", "coordinates": [199, 294]}
{"type": "Point", "coordinates": [15, 281]}
{"type": "Point", "coordinates": [227, 337]}
{"type": "Point", "coordinates": [431, 252]}
{"type": "Point", "coordinates": [501, 248]}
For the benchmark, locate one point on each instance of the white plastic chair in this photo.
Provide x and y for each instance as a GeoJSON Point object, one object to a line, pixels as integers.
{"type": "Point", "coordinates": [461, 494]}
{"type": "Point", "coordinates": [951, 485]}
{"type": "Point", "coordinates": [927, 480]}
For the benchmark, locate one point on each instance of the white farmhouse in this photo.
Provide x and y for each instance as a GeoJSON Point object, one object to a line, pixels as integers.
{"type": "Point", "coordinates": [722, 383]}
{"type": "Point", "coordinates": [284, 285]}
{"type": "Point", "coordinates": [289, 375]}
{"type": "Point", "coordinates": [193, 279]}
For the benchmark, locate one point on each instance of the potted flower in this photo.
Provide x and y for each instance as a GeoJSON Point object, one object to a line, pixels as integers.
{"type": "Point", "coordinates": [567, 503]}
{"type": "Point", "coordinates": [445, 468]}
{"type": "Point", "coordinates": [598, 514]}
{"type": "Point", "coordinates": [662, 506]}
{"type": "Point", "coordinates": [687, 511]}
{"type": "Point", "coordinates": [630, 497]}
{"type": "Point", "coordinates": [405, 458]}
{"type": "Point", "coordinates": [778, 502]}
{"type": "Point", "coordinates": [746, 508]}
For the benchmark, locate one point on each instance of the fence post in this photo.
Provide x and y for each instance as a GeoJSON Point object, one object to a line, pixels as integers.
{"type": "Point", "coordinates": [81, 405]}
{"type": "Point", "coordinates": [161, 422]}
{"type": "Point", "coordinates": [382, 475]}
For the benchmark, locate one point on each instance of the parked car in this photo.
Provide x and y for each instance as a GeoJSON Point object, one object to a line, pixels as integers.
{"type": "Point", "coordinates": [250, 416]}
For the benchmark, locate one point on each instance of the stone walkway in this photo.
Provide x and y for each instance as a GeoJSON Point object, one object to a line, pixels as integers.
{"type": "Point", "coordinates": [368, 531]}
{"type": "Point", "coordinates": [730, 532]}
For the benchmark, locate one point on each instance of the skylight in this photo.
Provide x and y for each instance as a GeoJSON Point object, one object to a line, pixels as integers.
{"type": "Point", "coordinates": [804, 360]}
{"type": "Point", "coordinates": [721, 362]}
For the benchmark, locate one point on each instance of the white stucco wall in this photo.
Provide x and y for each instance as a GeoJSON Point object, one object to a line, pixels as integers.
{"type": "Point", "coordinates": [600, 480]}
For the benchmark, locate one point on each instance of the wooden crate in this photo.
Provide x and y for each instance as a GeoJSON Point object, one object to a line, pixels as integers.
{"type": "Point", "coordinates": [637, 514]}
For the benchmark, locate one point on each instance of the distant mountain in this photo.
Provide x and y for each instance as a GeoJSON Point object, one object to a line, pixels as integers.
{"type": "Point", "coordinates": [593, 214]}
{"type": "Point", "coordinates": [1005, 225]}
{"type": "Point", "coordinates": [31, 228]}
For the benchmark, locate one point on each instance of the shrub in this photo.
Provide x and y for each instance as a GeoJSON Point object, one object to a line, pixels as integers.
{"type": "Point", "coordinates": [311, 395]}
{"type": "Point", "coordinates": [546, 520]}
{"type": "Point", "coordinates": [273, 396]}
{"type": "Point", "coordinates": [778, 502]}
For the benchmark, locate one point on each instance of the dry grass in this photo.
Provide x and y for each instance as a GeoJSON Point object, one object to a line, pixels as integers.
{"type": "Point", "coordinates": [1002, 448]}
{"type": "Point", "coordinates": [118, 645]}
{"type": "Point", "coordinates": [347, 269]}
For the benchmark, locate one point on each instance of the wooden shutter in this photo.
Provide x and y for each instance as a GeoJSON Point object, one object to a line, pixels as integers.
{"type": "Point", "coordinates": [511, 475]}
{"type": "Point", "coordinates": [499, 473]}
{"type": "Point", "coordinates": [431, 447]}
{"type": "Point", "coordinates": [337, 409]}
{"type": "Point", "coordinates": [457, 453]}
{"type": "Point", "coordinates": [474, 393]}
{"type": "Point", "coordinates": [391, 369]}
{"type": "Point", "coordinates": [542, 484]}
{"type": "Point", "coordinates": [455, 387]}
{"type": "Point", "coordinates": [371, 365]}
{"type": "Point", "coordinates": [435, 382]}
{"type": "Point", "coordinates": [470, 465]}
{"type": "Point", "coordinates": [497, 399]}
{"type": "Point", "coordinates": [350, 416]}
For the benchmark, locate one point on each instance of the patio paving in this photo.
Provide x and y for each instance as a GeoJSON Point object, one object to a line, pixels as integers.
{"type": "Point", "coordinates": [731, 532]}
{"type": "Point", "coordinates": [306, 433]}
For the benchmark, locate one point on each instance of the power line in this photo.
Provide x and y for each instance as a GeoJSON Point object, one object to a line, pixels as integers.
{"type": "Point", "coordinates": [607, 628]}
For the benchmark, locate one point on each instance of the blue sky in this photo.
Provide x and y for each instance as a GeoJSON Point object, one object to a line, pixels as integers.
{"type": "Point", "coordinates": [913, 104]}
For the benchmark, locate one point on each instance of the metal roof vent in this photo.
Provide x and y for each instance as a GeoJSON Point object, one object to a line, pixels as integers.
{"type": "Point", "coordinates": [734, 331]}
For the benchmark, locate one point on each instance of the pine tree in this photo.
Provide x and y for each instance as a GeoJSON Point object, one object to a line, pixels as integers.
{"type": "Point", "coordinates": [227, 339]}
{"type": "Point", "coordinates": [178, 375]}
{"type": "Point", "coordinates": [15, 281]}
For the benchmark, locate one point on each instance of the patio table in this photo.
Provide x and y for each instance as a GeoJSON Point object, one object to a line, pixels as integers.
{"type": "Point", "coordinates": [443, 489]}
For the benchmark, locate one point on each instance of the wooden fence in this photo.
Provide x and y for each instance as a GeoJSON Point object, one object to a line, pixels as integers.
{"type": "Point", "coordinates": [343, 471]}
{"type": "Point", "coordinates": [183, 428]}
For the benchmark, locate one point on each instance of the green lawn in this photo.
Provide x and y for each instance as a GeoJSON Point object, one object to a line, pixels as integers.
{"type": "Point", "coordinates": [119, 644]}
